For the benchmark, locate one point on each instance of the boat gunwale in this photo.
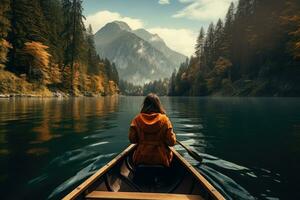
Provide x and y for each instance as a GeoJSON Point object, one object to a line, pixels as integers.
{"type": "Point", "coordinates": [202, 180]}
{"type": "Point", "coordinates": [93, 178]}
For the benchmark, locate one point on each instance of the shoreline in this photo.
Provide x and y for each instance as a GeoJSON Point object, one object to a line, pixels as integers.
{"type": "Point", "coordinates": [54, 95]}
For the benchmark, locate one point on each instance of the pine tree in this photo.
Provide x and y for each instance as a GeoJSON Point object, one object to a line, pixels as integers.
{"type": "Point", "coordinates": [171, 91]}
{"type": "Point", "coordinates": [73, 35]}
{"type": "Point", "coordinates": [4, 21]}
{"type": "Point", "coordinates": [27, 24]}
{"type": "Point", "coordinates": [53, 14]}
{"type": "Point", "coordinates": [219, 37]}
{"type": "Point", "coordinates": [228, 32]}
{"type": "Point", "coordinates": [200, 43]}
{"type": "Point", "coordinates": [93, 58]}
{"type": "Point", "coordinates": [209, 47]}
{"type": "Point", "coordinates": [4, 29]}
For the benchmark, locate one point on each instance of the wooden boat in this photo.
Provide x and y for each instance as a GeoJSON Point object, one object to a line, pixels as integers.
{"type": "Point", "coordinates": [120, 180]}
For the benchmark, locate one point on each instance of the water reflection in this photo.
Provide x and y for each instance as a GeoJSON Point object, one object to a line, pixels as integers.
{"type": "Point", "coordinates": [250, 145]}
{"type": "Point", "coordinates": [258, 132]}
{"type": "Point", "coordinates": [32, 131]}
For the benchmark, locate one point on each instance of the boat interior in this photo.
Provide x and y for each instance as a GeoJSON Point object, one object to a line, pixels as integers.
{"type": "Point", "coordinates": [126, 181]}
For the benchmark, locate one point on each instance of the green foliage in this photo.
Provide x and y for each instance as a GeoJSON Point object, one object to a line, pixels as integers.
{"type": "Point", "coordinates": [27, 24]}
{"type": "Point", "coordinates": [259, 43]}
{"type": "Point", "coordinates": [127, 88]}
{"type": "Point", "coordinates": [4, 29]}
{"type": "Point", "coordinates": [93, 58]}
{"type": "Point", "coordinates": [159, 87]}
{"type": "Point", "coordinates": [73, 32]}
{"type": "Point", "coordinates": [200, 43]}
{"type": "Point", "coordinates": [46, 42]}
{"type": "Point", "coordinates": [4, 21]}
{"type": "Point", "coordinates": [53, 13]}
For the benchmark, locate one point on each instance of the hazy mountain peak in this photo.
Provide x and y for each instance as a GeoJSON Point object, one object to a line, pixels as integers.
{"type": "Point", "coordinates": [144, 34]}
{"type": "Point", "coordinates": [117, 25]}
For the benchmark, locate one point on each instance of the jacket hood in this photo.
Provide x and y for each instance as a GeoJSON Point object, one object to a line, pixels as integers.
{"type": "Point", "coordinates": [150, 119]}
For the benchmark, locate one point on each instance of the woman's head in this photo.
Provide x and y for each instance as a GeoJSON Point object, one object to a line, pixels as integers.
{"type": "Point", "coordinates": [152, 105]}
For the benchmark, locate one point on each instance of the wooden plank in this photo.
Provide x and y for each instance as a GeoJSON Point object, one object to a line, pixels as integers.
{"type": "Point", "coordinates": [85, 185]}
{"type": "Point", "coordinates": [209, 187]}
{"type": "Point", "coordinates": [103, 195]}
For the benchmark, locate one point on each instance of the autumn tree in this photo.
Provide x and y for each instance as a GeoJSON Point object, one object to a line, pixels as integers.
{"type": "Point", "coordinates": [27, 24]}
{"type": "Point", "coordinates": [291, 23]}
{"type": "Point", "coordinates": [38, 61]}
{"type": "Point", "coordinates": [46, 41]}
{"type": "Point", "coordinates": [4, 29]}
{"type": "Point", "coordinates": [4, 49]}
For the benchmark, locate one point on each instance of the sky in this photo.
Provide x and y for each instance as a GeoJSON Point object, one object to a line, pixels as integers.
{"type": "Point", "coordinates": [177, 22]}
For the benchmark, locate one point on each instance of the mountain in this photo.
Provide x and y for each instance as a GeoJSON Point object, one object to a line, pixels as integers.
{"type": "Point", "coordinates": [139, 59]}
{"type": "Point", "coordinates": [160, 45]}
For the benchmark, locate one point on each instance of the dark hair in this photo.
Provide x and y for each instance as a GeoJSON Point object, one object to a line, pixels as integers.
{"type": "Point", "coordinates": [152, 104]}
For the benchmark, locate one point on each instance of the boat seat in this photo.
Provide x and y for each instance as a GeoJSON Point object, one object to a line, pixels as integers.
{"type": "Point", "coordinates": [140, 196]}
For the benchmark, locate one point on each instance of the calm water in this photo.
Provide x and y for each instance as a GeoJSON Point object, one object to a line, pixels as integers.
{"type": "Point", "coordinates": [251, 146]}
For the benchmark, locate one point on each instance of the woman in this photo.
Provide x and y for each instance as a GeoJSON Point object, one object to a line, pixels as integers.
{"type": "Point", "coordinates": [153, 132]}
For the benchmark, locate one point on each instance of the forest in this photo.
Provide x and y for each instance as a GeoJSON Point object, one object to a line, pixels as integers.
{"type": "Point", "coordinates": [254, 51]}
{"type": "Point", "coordinates": [46, 49]}
{"type": "Point", "coordinates": [159, 87]}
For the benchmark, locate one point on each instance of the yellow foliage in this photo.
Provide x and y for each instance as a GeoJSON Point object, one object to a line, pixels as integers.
{"type": "Point", "coordinates": [113, 87]}
{"type": "Point", "coordinates": [222, 66]}
{"type": "Point", "coordinates": [38, 60]}
{"type": "Point", "coordinates": [291, 21]}
{"type": "Point", "coordinates": [12, 84]}
{"type": "Point", "coordinates": [55, 73]}
{"type": "Point", "coordinates": [4, 48]}
{"type": "Point", "coordinates": [97, 84]}
{"type": "Point", "coordinates": [71, 78]}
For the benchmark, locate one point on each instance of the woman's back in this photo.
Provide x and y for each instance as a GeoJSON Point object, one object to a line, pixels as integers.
{"type": "Point", "coordinates": [153, 133]}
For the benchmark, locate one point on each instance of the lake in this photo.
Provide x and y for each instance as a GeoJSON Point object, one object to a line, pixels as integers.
{"type": "Point", "coordinates": [251, 146]}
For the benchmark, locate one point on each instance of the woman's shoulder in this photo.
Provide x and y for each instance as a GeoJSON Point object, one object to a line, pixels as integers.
{"type": "Point", "coordinates": [164, 117]}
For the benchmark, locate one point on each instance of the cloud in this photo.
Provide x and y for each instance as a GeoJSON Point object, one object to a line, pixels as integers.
{"type": "Point", "coordinates": [164, 2]}
{"type": "Point", "coordinates": [203, 10]}
{"type": "Point", "coordinates": [99, 19]}
{"type": "Point", "coordinates": [180, 40]}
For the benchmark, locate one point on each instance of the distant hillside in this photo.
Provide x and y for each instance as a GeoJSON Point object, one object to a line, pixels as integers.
{"type": "Point", "coordinates": [140, 56]}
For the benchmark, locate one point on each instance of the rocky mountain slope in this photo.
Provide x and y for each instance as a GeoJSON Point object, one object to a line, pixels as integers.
{"type": "Point", "coordinates": [140, 56]}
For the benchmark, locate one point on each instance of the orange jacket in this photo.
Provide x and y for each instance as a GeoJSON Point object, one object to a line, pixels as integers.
{"type": "Point", "coordinates": [153, 133]}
